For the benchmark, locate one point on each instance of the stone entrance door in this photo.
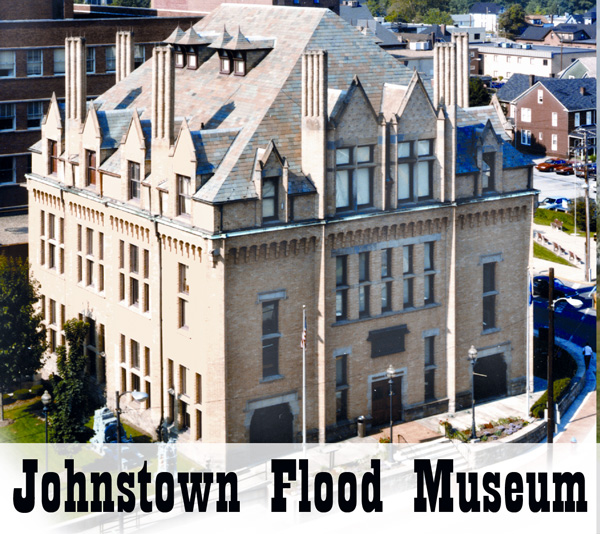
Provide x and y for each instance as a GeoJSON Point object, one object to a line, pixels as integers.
{"type": "Point", "coordinates": [380, 401]}
{"type": "Point", "coordinates": [272, 424]}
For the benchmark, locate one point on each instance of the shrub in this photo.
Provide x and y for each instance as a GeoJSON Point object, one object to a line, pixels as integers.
{"type": "Point", "coordinates": [560, 388]}
{"type": "Point", "coordinates": [8, 399]}
{"type": "Point", "coordinates": [21, 394]}
{"type": "Point", "coordinates": [37, 390]}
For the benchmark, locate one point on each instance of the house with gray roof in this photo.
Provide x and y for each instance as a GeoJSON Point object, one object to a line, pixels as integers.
{"type": "Point", "coordinates": [272, 186]}
{"type": "Point", "coordinates": [547, 113]}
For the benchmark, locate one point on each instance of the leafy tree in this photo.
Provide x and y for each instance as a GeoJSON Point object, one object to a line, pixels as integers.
{"type": "Point", "coordinates": [71, 391]}
{"type": "Point", "coordinates": [378, 8]}
{"type": "Point", "coordinates": [407, 10]}
{"type": "Point", "coordinates": [22, 335]}
{"type": "Point", "coordinates": [436, 16]}
{"type": "Point", "coordinates": [512, 22]}
{"type": "Point", "coordinates": [580, 203]}
{"type": "Point", "coordinates": [459, 7]}
{"type": "Point", "coordinates": [478, 95]}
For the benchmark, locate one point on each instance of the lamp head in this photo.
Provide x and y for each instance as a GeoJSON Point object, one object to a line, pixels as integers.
{"type": "Point", "coordinates": [46, 398]}
{"type": "Point", "coordinates": [472, 354]}
{"type": "Point", "coordinates": [390, 371]}
{"type": "Point", "coordinates": [139, 396]}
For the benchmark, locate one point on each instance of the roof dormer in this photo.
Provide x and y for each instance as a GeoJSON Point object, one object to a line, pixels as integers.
{"type": "Point", "coordinates": [239, 54]}
{"type": "Point", "coordinates": [190, 48]}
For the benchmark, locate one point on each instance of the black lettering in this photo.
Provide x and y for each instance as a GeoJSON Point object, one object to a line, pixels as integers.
{"type": "Point", "coordinates": [128, 504]}
{"type": "Point", "coordinates": [372, 480]}
{"type": "Point", "coordinates": [196, 493]}
{"type": "Point", "coordinates": [24, 501]}
{"type": "Point", "coordinates": [224, 479]}
{"type": "Point", "coordinates": [164, 504]}
{"type": "Point", "coordinates": [50, 504]}
{"type": "Point", "coordinates": [541, 505]}
{"type": "Point", "coordinates": [323, 504]}
{"type": "Point", "coordinates": [144, 479]}
{"type": "Point", "coordinates": [471, 505]}
{"type": "Point", "coordinates": [491, 481]}
{"type": "Point", "coordinates": [425, 479]}
{"type": "Point", "coordinates": [513, 504]}
{"type": "Point", "coordinates": [569, 479]}
{"type": "Point", "coordinates": [347, 479]}
{"type": "Point", "coordinates": [279, 467]}
{"type": "Point", "coordinates": [106, 505]}
{"type": "Point", "coordinates": [304, 504]}
{"type": "Point", "coordinates": [72, 479]}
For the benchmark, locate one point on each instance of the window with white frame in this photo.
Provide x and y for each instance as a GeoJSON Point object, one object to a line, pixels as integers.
{"type": "Point", "coordinates": [429, 273]}
{"type": "Point", "coordinates": [134, 180]}
{"type": "Point", "coordinates": [540, 95]}
{"type": "Point", "coordinates": [111, 58]}
{"type": "Point", "coordinates": [588, 117]}
{"type": "Point", "coordinates": [34, 62]}
{"type": "Point", "coordinates": [7, 64]}
{"type": "Point", "coordinates": [59, 61]}
{"type": "Point", "coordinates": [270, 202]}
{"type": "Point", "coordinates": [577, 119]}
{"type": "Point", "coordinates": [90, 60]}
{"type": "Point", "coordinates": [554, 118]}
{"type": "Point", "coordinates": [354, 168]}
{"type": "Point", "coordinates": [554, 142]}
{"type": "Point", "coordinates": [429, 365]}
{"type": "Point", "coordinates": [7, 117]}
{"type": "Point", "coordinates": [35, 112]}
{"type": "Point", "coordinates": [488, 172]}
{"type": "Point", "coordinates": [139, 55]}
{"type": "Point", "coordinates": [184, 195]}
{"type": "Point", "coordinates": [526, 137]}
{"type": "Point", "coordinates": [489, 295]}
{"type": "Point", "coordinates": [526, 114]}
{"type": "Point", "coordinates": [541, 136]}
{"type": "Point", "coordinates": [8, 173]}
{"type": "Point", "coordinates": [415, 170]}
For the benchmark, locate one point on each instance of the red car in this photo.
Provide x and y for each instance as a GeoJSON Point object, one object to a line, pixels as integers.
{"type": "Point", "coordinates": [567, 168]}
{"type": "Point", "coordinates": [550, 164]}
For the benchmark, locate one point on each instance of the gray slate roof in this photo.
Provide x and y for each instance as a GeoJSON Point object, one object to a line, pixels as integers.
{"type": "Point", "coordinates": [113, 125]}
{"type": "Point", "coordinates": [568, 92]}
{"type": "Point", "coordinates": [516, 85]}
{"type": "Point", "coordinates": [535, 33]}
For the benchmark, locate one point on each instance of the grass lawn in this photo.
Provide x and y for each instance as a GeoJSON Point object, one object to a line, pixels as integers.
{"type": "Point", "coordinates": [546, 217]}
{"type": "Point", "coordinates": [544, 254]}
{"type": "Point", "coordinates": [28, 426]}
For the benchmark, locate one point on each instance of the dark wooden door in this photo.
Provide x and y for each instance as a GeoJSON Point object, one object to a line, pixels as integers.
{"type": "Point", "coordinates": [493, 384]}
{"type": "Point", "coordinates": [380, 401]}
{"type": "Point", "coordinates": [272, 424]}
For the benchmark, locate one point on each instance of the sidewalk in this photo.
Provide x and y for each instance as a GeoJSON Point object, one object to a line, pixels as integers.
{"type": "Point", "coordinates": [575, 244]}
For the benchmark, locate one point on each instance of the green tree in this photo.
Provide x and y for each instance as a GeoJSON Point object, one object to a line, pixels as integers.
{"type": "Point", "coordinates": [131, 3]}
{"type": "Point", "coordinates": [459, 7]}
{"type": "Point", "coordinates": [512, 22]}
{"type": "Point", "coordinates": [22, 335]}
{"type": "Point", "coordinates": [407, 10]}
{"type": "Point", "coordinates": [436, 16]}
{"type": "Point", "coordinates": [580, 203]}
{"type": "Point", "coordinates": [478, 95]}
{"type": "Point", "coordinates": [72, 405]}
{"type": "Point", "coordinates": [378, 8]}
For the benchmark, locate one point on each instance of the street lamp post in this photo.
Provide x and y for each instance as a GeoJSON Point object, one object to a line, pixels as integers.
{"type": "Point", "coordinates": [46, 400]}
{"type": "Point", "coordinates": [138, 396]}
{"type": "Point", "coordinates": [473, 359]}
{"type": "Point", "coordinates": [390, 375]}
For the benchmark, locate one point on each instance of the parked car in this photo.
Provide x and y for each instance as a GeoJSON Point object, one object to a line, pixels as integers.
{"type": "Point", "coordinates": [550, 164]}
{"type": "Point", "coordinates": [555, 204]}
{"type": "Point", "coordinates": [580, 171]}
{"type": "Point", "coordinates": [567, 168]}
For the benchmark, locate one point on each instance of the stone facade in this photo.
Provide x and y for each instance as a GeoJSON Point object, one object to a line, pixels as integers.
{"type": "Point", "coordinates": [195, 222]}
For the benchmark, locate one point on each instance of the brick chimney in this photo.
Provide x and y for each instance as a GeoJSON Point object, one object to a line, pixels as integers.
{"type": "Point", "coordinates": [531, 80]}
{"type": "Point", "coordinates": [75, 79]}
{"type": "Point", "coordinates": [314, 121]}
{"type": "Point", "coordinates": [444, 74]}
{"type": "Point", "coordinates": [582, 90]}
{"type": "Point", "coordinates": [124, 55]}
{"type": "Point", "coordinates": [461, 40]}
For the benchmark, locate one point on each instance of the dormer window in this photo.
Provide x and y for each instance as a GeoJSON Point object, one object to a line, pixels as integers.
{"type": "Point", "coordinates": [53, 156]}
{"type": "Point", "coordinates": [179, 59]}
{"type": "Point", "coordinates": [192, 60]}
{"type": "Point", "coordinates": [239, 64]}
{"type": "Point", "coordinates": [91, 170]}
{"type": "Point", "coordinates": [487, 173]}
{"type": "Point", "coordinates": [269, 200]}
{"type": "Point", "coordinates": [225, 62]}
{"type": "Point", "coordinates": [134, 180]}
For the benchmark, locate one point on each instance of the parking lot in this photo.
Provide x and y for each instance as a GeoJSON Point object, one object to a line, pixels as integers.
{"type": "Point", "coordinates": [551, 184]}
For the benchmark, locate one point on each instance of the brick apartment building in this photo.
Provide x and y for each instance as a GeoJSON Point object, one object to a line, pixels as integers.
{"type": "Point", "coordinates": [546, 114]}
{"type": "Point", "coordinates": [269, 159]}
{"type": "Point", "coordinates": [32, 66]}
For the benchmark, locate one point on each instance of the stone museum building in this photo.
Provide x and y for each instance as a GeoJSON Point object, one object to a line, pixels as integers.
{"type": "Point", "coordinates": [271, 158]}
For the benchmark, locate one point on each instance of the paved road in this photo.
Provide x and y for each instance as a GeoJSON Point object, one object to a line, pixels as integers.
{"type": "Point", "coordinates": [551, 184]}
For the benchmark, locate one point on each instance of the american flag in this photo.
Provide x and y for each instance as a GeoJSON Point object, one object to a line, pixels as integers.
{"type": "Point", "coordinates": [303, 340]}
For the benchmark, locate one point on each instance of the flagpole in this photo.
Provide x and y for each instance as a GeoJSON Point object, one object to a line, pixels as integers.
{"type": "Point", "coordinates": [304, 333]}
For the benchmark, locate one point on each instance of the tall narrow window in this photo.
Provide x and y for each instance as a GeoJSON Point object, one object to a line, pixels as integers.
{"type": "Point", "coordinates": [429, 368]}
{"type": "Point", "coordinates": [7, 64]}
{"type": "Point", "coordinates": [270, 338]}
{"type": "Point", "coordinates": [183, 279]}
{"type": "Point", "coordinates": [183, 313]}
{"type": "Point", "coordinates": [35, 112]}
{"type": "Point", "coordinates": [90, 157]}
{"type": "Point", "coordinates": [134, 259]}
{"type": "Point", "coordinates": [134, 180]}
{"type": "Point", "coordinates": [415, 170]}
{"type": "Point", "coordinates": [90, 63]}
{"type": "Point", "coordinates": [7, 117]}
{"type": "Point", "coordinates": [487, 174]}
{"type": "Point", "coordinates": [34, 62]}
{"type": "Point", "coordinates": [198, 388]}
{"type": "Point", "coordinates": [182, 380]}
{"type": "Point", "coordinates": [269, 200]}
{"type": "Point", "coordinates": [407, 257]}
{"type": "Point", "coordinates": [53, 156]}
{"type": "Point", "coordinates": [554, 118]}
{"type": "Point", "coordinates": [341, 284]}
{"type": "Point", "coordinates": [363, 289]}
{"type": "Point", "coordinates": [184, 198]}
{"type": "Point", "coordinates": [341, 388]}
{"type": "Point", "coordinates": [59, 61]}
{"type": "Point", "coordinates": [354, 177]}
{"type": "Point", "coordinates": [429, 279]}
{"type": "Point", "coordinates": [135, 354]}
{"type": "Point", "coordinates": [111, 58]}
{"type": "Point", "coordinates": [489, 295]}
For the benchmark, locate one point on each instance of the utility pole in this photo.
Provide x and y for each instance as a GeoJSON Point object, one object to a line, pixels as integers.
{"type": "Point", "coordinates": [550, 392]}
{"type": "Point", "coordinates": [587, 209]}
